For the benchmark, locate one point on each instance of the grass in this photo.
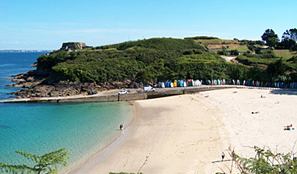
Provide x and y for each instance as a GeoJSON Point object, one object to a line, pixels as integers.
{"type": "Point", "coordinates": [255, 60]}
{"type": "Point", "coordinates": [217, 44]}
{"type": "Point", "coordinates": [215, 41]}
{"type": "Point", "coordinates": [286, 54]}
{"type": "Point", "coordinates": [242, 49]}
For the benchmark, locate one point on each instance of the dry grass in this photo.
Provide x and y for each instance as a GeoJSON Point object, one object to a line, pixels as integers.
{"type": "Point", "coordinates": [240, 48]}
{"type": "Point", "coordinates": [207, 42]}
{"type": "Point", "coordinates": [286, 54]}
{"type": "Point", "coordinates": [217, 44]}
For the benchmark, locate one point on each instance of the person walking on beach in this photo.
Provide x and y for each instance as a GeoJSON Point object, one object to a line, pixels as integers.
{"type": "Point", "coordinates": [121, 126]}
{"type": "Point", "coordinates": [223, 156]}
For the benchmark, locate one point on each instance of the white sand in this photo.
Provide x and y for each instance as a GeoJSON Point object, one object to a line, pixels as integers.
{"type": "Point", "coordinates": [187, 134]}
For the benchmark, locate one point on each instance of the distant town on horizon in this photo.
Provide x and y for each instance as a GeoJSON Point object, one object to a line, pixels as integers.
{"type": "Point", "coordinates": [24, 51]}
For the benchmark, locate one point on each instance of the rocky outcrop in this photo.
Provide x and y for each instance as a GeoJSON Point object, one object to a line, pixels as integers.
{"type": "Point", "coordinates": [37, 87]}
{"type": "Point", "coordinates": [73, 45]}
{"type": "Point", "coordinates": [25, 80]}
{"type": "Point", "coordinates": [60, 89]}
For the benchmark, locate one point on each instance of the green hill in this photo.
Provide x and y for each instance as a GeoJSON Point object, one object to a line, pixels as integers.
{"type": "Point", "coordinates": [149, 61]}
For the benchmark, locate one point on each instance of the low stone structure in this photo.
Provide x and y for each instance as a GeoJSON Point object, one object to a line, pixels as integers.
{"type": "Point", "coordinates": [73, 45]}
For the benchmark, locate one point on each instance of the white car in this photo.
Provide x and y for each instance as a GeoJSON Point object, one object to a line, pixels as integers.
{"type": "Point", "coordinates": [148, 88]}
{"type": "Point", "coordinates": [124, 91]}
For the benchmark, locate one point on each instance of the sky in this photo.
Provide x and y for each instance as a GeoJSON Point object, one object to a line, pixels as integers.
{"type": "Point", "coordinates": [46, 24]}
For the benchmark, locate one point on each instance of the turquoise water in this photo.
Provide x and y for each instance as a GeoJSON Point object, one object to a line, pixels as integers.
{"type": "Point", "coordinates": [82, 128]}
{"type": "Point", "coordinates": [41, 128]}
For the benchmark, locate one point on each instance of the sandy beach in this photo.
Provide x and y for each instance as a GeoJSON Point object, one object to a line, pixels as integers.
{"type": "Point", "coordinates": [186, 134]}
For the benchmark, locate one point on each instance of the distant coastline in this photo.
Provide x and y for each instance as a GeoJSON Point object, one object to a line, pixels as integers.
{"type": "Point", "coordinates": [24, 51]}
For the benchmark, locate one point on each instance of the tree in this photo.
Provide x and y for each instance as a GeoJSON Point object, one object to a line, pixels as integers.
{"type": "Point", "coordinates": [289, 39]}
{"type": "Point", "coordinates": [46, 163]}
{"type": "Point", "coordinates": [290, 34]}
{"type": "Point", "coordinates": [272, 42]}
{"type": "Point", "coordinates": [287, 43]}
{"type": "Point", "coordinates": [270, 38]}
{"type": "Point", "coordinates": [294, 47]}
{"type": "Point", "coordinates": [277, 68]}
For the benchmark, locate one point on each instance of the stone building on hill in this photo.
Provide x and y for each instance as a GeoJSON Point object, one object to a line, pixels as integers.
{"type": "Point", "coordinates": [73, 46]}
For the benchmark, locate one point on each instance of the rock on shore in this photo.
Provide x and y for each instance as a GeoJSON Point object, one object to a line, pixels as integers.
{"type": "Point", "coordinates": [33, 86]}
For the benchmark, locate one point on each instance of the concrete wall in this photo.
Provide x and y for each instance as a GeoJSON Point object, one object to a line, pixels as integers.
{"type": "Point", "coordinates": [129, 97]}
{"type": "Point", "coordinates": [125, 97]}
{"type": "Point", "coordinates": [106, 98]}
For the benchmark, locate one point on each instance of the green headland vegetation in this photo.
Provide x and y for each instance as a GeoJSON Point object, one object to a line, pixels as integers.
{"type": "Point", "coordinates": [160, 59]}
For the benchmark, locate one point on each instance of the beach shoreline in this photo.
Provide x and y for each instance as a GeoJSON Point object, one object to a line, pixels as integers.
{"type": "Point", "coordinates": [188, 133]}
{"type": "Point", "coordinates": [148, 111]}
{"type": "Point", "coordinates": [112, 142]}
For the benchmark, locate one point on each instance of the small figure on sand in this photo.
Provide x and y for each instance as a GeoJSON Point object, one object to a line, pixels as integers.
{"type": "Point", "coordinates": [223, 156]}
{"type": "Point", "coordinates": [289, 127]}
{"type": "Point", "coordinates": [257, 112]}
{"type": "Point", "coordinates": [121, 126]}
{"type": "Point", "coordinates": [233, 154]}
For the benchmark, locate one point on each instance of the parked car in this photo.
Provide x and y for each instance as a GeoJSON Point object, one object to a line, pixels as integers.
{"type": "Point", "coordinates": [148, 88]}
{"type": "Point", "coordinates": [92, 92]}
{"type": "Point", "coordinates": [124, 91]}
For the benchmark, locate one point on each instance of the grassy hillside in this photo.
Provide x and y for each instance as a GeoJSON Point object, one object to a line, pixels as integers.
{"type": "Point", "coordinates": [286, 54]}
{"type": "Point", "coordinates": [215, 44]}
{"type": "Point", "coordinates": [204, 40]}
{"type": "Point", "coordinates": [157, 59]}
{"type": "Point", "coordinates": [145, 60]}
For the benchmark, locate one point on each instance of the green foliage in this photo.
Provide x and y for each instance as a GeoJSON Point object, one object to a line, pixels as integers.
{"type": "Point", "coordinates": [47, 62]}
{"type": "Point", "coordinates": [268, 67]}
{"type": "Point", "coordinates": [277, 68]}
{"type": "Point", "coordinates": [270, 37]}
{"type": "Point", "coordinates": [293, 47]}
{"type": "Point", "coordinates": [161, 44]}
{"type": "Point", "coordinates": [242, 49]}
{"type": "Point", "coordinates": [286, 44]}
{"type": "Point", "coordinates": [266, 162]}
{"type": "Point", "coordinates": [272, 42]}
{"type": "Point", "coordinates": [228, 52]}
{"type": "Point", "coordinates": [290, 34]}
{"type": "Point", "coordinates": [46, 163]}
{"type": "Point", "coordinates": [152, 60]}
{"type": "Point", "coordinates": [284, 53]}
{"type": "Point", "coordinates": [249, 59]}
{"type": "Point", "coordinates": [146, 60]}
{"type": "Point", "coordinates": [258, 73]}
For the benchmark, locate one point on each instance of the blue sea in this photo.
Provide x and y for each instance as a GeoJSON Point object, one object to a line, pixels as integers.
{"type": "Point", "coordinates": [83, 128]}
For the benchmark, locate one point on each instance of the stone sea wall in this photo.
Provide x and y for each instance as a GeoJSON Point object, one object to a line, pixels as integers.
{"type": "Point", "coordinates": [115, 97]}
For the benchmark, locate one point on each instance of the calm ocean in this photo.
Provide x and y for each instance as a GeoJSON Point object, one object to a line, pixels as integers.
{"type": "Point", "coordinates": [82, 128]}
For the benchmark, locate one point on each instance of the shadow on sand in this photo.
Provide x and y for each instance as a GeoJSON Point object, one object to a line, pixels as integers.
{"type": "Point", "coordinates": [219, 161]}
{"type": "Point", "coordinates": [284, 91]}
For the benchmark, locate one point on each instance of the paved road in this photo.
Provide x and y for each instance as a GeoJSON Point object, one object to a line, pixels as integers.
{"type": "Point", "coordinates": [228, 58]}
